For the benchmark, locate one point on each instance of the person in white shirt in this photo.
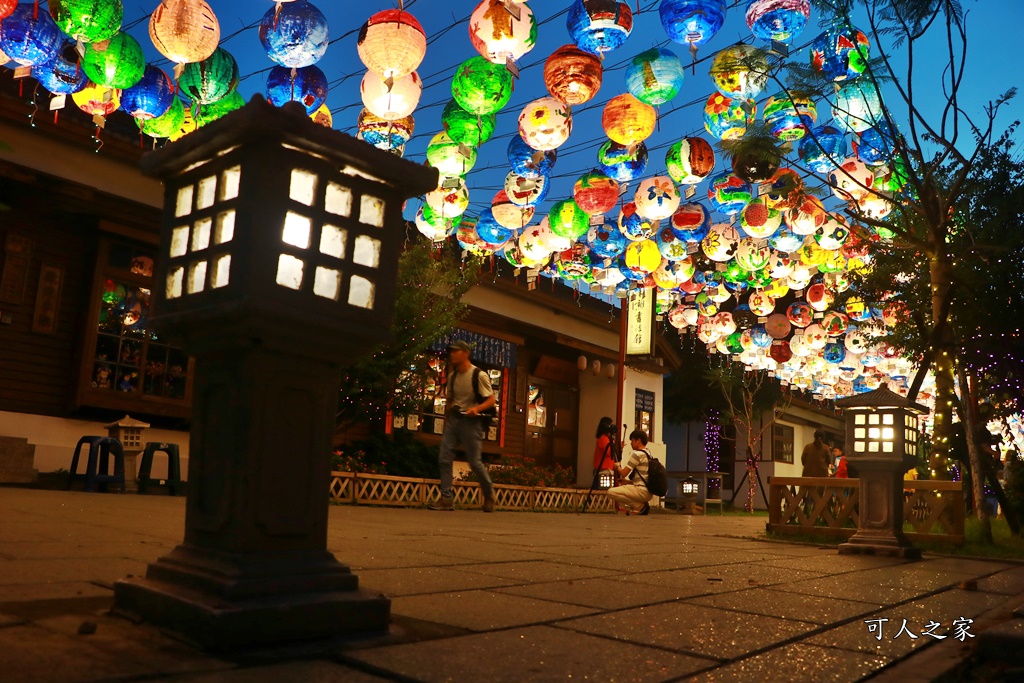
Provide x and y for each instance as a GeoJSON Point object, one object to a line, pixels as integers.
{"type": "Point", "coordinates": [634, 496]}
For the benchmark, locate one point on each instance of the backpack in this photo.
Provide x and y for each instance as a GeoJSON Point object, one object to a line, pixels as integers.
{"type": "Point", "coordinates": [657, 478]}
{"type": "Point", "coordinates": [488, 417]}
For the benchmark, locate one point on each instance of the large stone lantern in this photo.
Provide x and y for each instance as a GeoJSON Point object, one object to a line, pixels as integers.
{"type": "Point", "coordinates": [277, 266]}
{"type": "Point", "coordinates": [881, 433]}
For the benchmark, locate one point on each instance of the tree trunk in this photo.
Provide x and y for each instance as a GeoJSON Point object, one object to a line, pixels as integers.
{"type": "Point", "coordinates": [941, 272]}
{"type": "Point", "coordinates": [967, 416]}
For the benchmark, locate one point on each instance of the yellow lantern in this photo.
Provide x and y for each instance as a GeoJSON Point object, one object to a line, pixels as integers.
{"type": "Point", "coordinates": [627, 121]}
{"type": "Point", "coordinates": [392, 43]}
{"type": "Point", "coordinates": [323, 116]}
{"type": "Point", "coordinates": [97, 100]}
{"type": "Point", "coordinates": [391, 99]}
{"type": "Point", "coordinates": [188, 125]}
{"type": "Point", "coordinates": [643, 256]}
{"type": "Point", "coordinates": [184, 31]}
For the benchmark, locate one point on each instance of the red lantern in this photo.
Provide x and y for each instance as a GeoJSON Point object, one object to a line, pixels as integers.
{"type": "Point", "coordinates": [572, 75]}
{"type": "Point", "coordinates": [780, 351]}
{"type": "Point", "coordinates": [596, 193]}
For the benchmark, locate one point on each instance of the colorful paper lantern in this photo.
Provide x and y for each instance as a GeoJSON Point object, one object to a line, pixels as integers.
{"type": "Point", "coordinates": [635, 226]}
{"type": "Point", "coordinates": [573, 75]}
{"type": "Point", "coordinates": [184, 31]}
{"type": "Point", "coordinates": [97, 100]}
{"type": "Point", "coordinates": [205, 114]}
{"type": "Point", "coordinates": [622, 162]}
{"type": "Point", "coordinates": [605, 240]}
{"type": "Point", "coordinates": [151, 97]}
{"type": "Point", "coordinates": [323, 117]}
{"type": "Point", "coordinates": [165, 125]}
{"type": "Point", "coordinates": [567, 219]}
{"type": "Point", "coordinates": [721, 242]}
{"type": "Point", "coordinates": [752, 254]}
{"type": "Point", "coordinates": [6, 7]}
{"type": "Point", "coordinates": [858, 104]}
{"type": "Point", "coordinates": [595, 192]}
{"type": "Point", "coordinates": [469, 129]}
{"type": "Point", "coordinates": [392, 43]}
{"type": "Point", "coordinates": [823, 149]}
{"type": "Point", "coordinates": [89, 21]}
{"type": "Point", "coordinates": [627, 121]}
{"type": "Point", "coordinates": [642, 256]}
{"type": "Point", "coordinates": [875, 145]}
{"type": "Point", "coordinates": [808, 216]}
{"type": "Point", "coordinates": [510, 215]}
{"type": "Point", "coordinates": [529, 162]}
{"type": "Point", "coordinates": [759, 220]}
{"type": "Point", "coordinates": [490, 231]}
{"type": "Point", "coordinates": [211, 79]}
{"type": "Point", "coordinates": [727, 119]}
{"type": "Point", "coordinates": [728, 193]}
{"type": "Point", "coordinates": [382, 133]}
{"type": "Point", "coordinates": [691, 222]}
{"type": "Point", "coordinates": [545, 124]}
{"type": "Point", "coordinates": [30, 37]}
{"type": "Point", "coordinates": [599, 26]}
{"type": "Point", "coordinates": [188, 125]}
{"type": "Point", "coordinates": [840, 52]}
{"type": "Point", "coordinates": [116, 63]}
{"type": "Point", "coordinates": [690, 160]}
{"type": "Point", "coordinates": [672, 250]}
{"type": "Point", "coordinates": [433, 227]}
{"type": "Point", "coordinates": [526, 191]}
{"type": "Point", "coordinates": [294, 34]}
{"type": "Point", "coordinates": [481, 87]}
{"type": "Point", "coordinates": [789, 119]}
{"type": "Point", "coordinates": [62, 74]}
{"type": "Point", "coordinates": [307, 86]}
{"type": "Point", "coordinates": [740, 72]}
{"type": "Point", "coordinates": [450, 158]}
{"type": "Point", "coordinates": [833, 234]}
{"type": "Point", "coordinates": [656, 198]}
{"type": "Point", "coordinates": [655, 76]}
{"type": "Point", "coordinates": [761, 305]}
{"type": "Point", "coordinates": [852, 180]}
{"type": "Point", "coordinates": [779, 20]}
{"type": "Point", "coordinates": [449, 199]}
{"type": "Point", "coordinates": [498, 34]}
{"type": "Point", "coordinates": [692, 22]}
{"type": "Point", "coordinates": [785, 190]}
{"type": "Point", "coordinates": [391, 101]}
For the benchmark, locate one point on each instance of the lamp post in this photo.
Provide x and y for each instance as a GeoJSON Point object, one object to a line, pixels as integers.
{"type": "Point", "coordinates": [881, 429]}
{"type": "Point", "coordinates": [278, 258]}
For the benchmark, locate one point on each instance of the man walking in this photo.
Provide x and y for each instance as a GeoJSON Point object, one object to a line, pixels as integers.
{"type": "Point", "coordinates": [469, 394]}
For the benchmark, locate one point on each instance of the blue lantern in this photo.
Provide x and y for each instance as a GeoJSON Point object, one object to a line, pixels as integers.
{"type": "Point", "coordinates": [759, 335]}
{"type": "Point", "coordinates": [692, 22]}
{"type": "Point", "coordinates": [691, 222]}
{"type": "Point", "coordinates": [655, 76]}
{"type": "Point", "coordinates": [841, 52]}
{"type": "Point", "coordinates": [875, 145]}
{"type": "Point", "coordinates": [151, 97]}
{"type": "Point", "coordinates": [858, 104]}
{"type": "Point", "coordinates": [622, 163]}
{"type": "Point", "coordinates": [61, 75]}
{"type": "Point", "coordinates": [824, 149]}
{"type": "Point", "coordinates": [29, 36]}
{"type": "Point", "coordinates": [834, 353]}
{"type": "Point", "coordinates": [489, 230]}
{"type": "Point", "coordinates": [785, 240]}
{"type": "Point", "coordinates": [307, 86]}
{"type": "Point", "coordinates": [529, 162]}
{"type": "Point", "coordinates": [729, 193]}
{"type": "Point", "coordinates": [599, 26]}
{"type": "Point", "coordinates": [294, 34]}
{"type": "Point", "coordinates": [631, 275]}
{"type": "Point", "coordinates": [780, 20]}
{"type": "Point", "coordinates": [606, 240]}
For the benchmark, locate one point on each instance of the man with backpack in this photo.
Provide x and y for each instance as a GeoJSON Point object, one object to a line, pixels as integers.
{"type": "Point", "coordinates": [650, 479]}
{"type": "Point", "coordinates": [469, 408]}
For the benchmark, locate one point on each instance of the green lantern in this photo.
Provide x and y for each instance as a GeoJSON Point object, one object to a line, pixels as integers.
{"type": "Point", "coordinates": [469, 129]}
{"type": "Point", "coordinates": [90, 21]}
{"type": "Point", "coordinates": [117, 63]}
{"type": "Point", "coordinates": [568, 220]}
{"type": "Point", "coordinates": [210, 80]}
{"type": "Point", "coordinates": [208, 113]}
{"type": "Point", "coordinates": [166, 125]}
{"type": "Point", "coordinates": [448, 157]}
{"type": "Point", "coordinates": [481, 87]}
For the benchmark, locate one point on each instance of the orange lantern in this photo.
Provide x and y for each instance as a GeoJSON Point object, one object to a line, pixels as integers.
{"type": "Point", "coordinates": [392, 43]}
{"type": "Point", "coordinates": [572, 75]}
{"type": "Point", "coordinates": [184, 31]}
{"type": "Point", "coordinates": [596, 193]}
{"type": "Point", "coordinates": [627, 121]}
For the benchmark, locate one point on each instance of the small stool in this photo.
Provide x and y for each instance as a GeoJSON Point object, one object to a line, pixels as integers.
{"type": "Point", "coordinates": [98, 463]}
{"type": "Point", "coordinates": [173, 466]}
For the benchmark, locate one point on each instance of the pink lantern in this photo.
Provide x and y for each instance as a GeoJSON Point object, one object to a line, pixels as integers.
{"type": "Point", "coordinates": [778, 326]}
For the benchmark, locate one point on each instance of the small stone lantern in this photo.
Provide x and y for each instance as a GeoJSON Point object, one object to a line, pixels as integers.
{"type": "Point", "coordinates": [690, 490]}
{"type": "Point", "coordinates": [128, 431]}
{"type": "Point", "coordinates": [881, 431]}
{"type": "Point", "coordinates": [277, 267]}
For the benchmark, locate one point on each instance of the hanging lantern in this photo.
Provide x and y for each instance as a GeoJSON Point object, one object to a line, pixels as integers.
{"type": "Point", "coordinates": [785, 190]}
{"type": "Point", "coordinates": [294, 35]}
{"type": "Point", "coordinates": [184, 31]}
{"type": "Point", "coordinates": [721, 242]}
{"type": "Point", "coordinates": [819, 298]}
{"type": "Point", "coordinates": [211, 79]}
{"type": "Point", "coordinates": [526, 191]}
{"type": "Point", "coordinates": [449, 199]}
{"type": "Point", "coordinates": [692, 22]}
{"type": "Point", "coordinates": [490, 231]}
{"type": "Point", "coordinates": [392, 43]}
{"type": "Point", "coordinates": [740, 72]}
{"type": "Point", "coordinates": [655, 77]}
{"type": "Point", "coordinates": [572, 75]}
{"type": "Point", "coordinates": [97, 100]}
{"type": "Point", "coordinates": [858, 104]}
{"type": "Point", "coordinates": [656, 198]}
{"type": "Point", "coordinates": [605, 240]}
{"type": "Point", "coordinates": [690, 160]}
{"type": "Point", "coordinates": [529, 162]}
{"type": "Point", "coordinates": [88, 21]}
{"type": "Point", "coordinates": [755, 162]}
{"type": "Point", "coordinates": [532, 244]}
{"type": "Point", "coordinates": [875, 145]}
{"type": "Point", "coordinates": [823, 149]}
{"type": "Point", "coordinates": [116, 63]}
{"type": "Point", "coordinates": [166, 124]}
{"type": "Point", "coordinates": [761, 305]}
{"type": "Point", "coordinates": [642, 257]}
{"type": "Point", "coordinates": [433, 227]}
{"type": "Point", "coordinates": [500, 36]}
{"type": "Point", "coordinates": [622, 162]}
{"type": "Point", "coordinates": [208, 113]}
{"type": "Point", "coordinates": [481, 87]}
{"type": "Point", "coordinates": [727, 119]}
{"type": "Point", "coordinates": [807, 216]}
{"type": "Point", "coordinates": [691, 222]}
{"type": "Point", "coordinates": [545, 124]}
{"type": "Point", "coordinates": [672, 250]}
{"type": "Point", "coordinates": [448, 157]}
{"type": "Point", "coordinates": [833, 234]}
{"type": "Point", "coordinates": [840, 52]}
{"type": "Point", "coordinates": [567, 219]}
{"type": "Point", "coordinates": [574, 264]}
{"type": "Point", "coordinates": [728, 193]}
{"type": "Point", "coordinates": [469, 129]}
{"type": "Point", "coordinates": [62, 75]}
{"type": "Point", "coordinates": [784, 240]}
{"type": "Point", "coordinates": [835, 323]}
{"type": "Point", "coordinates": [188, 125]}
{"type": "Point", "coordinates": [634, 226]}
{"type": "Point", "coordinates": [779, 20]}
{"type": "Point", "coordinates": [778, 326]}
{"type": "Point", "coordinates": [599, 26]}
{"type": "Point", "coordinates": [151, 97]}
{"type": "Point", "coordinates": [852, 180]}
{"type": "Point", "coordinates": [393, 102]}
{"type": "Point", "coordinates": [307, 86]}
{"type": "Point", "coordinates": [627, 120]}
{"type": "Point", "coordinates": [789, 118]}
{"type": "Point", "coordinates": [510, 215]}
{"type": "Point", "coordinates": [382, 133]}
{"type": "Point", "coordinates": [760, 220]}
{"type": "Point", "coordinates": [752, 254]}
{"type": "Point", "coordinates": [30, 37]}
{"type": "Point", "coordinates": [595, 192]}
{"type": "Point", "coordinates": [6, 7]}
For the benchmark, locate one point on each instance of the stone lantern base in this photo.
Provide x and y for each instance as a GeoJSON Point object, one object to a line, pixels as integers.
{"type": "Point", "coordinates": [880, 519]}
{"type": "Point", "coordinates": [875, 542]}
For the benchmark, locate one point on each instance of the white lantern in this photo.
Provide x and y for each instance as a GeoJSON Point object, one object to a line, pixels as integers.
{"type": "Point", "coordinates": [394, 101]}
{"type": "Point", "coordinates": [545, 124]}
{"type": "Point", "coordinates": [392, 43]}
{"type": "Point", "coordinates": [656, 198]}
{"type": "Point", "coordinates": [498, 34]}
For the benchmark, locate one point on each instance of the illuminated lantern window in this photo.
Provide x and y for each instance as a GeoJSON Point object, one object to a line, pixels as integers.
{"type": "Point", "coordinates": [184, 31]}
{"type": "Point", "coordinates": [526, 191]}
{"type": "Point", "coordinates": [307, 86]}
{"type": "Point", "coordinates": [656, 198]}
{"type": "Point", "coordinates": [596, 192]}
{"type": "Point", "coordinates": [529, 162]}
{"type": "Point", "coordinates": [740, 72]}
{"type": "Point", "coordinates": [572, 75]}
{"type": "Point", "coordinates": [62, 75]}
{"type": "Point", "coordinates": [780, 20]}
{"type": "Point", "coordinates": [852, 180]}
{"type": "Point", "coordinates": [382, 133]}
{"type": "Point", "coordinates": [823, 149]}
{"type": "Point", "coordinates": [728, 193]}
{"type": "Point", "coordinates": [727, 119]}
{"type": "Point", "coordinates": [655, 76]}
{"type": "Point", "coordinates": [627, 120]}
{"type": "Point", "coordinates": [29, 37]}
{"type": "Point", "coordinates": [392, 43]}
{"type": "Point", "coordinates": [500, 34]}
{"type": "Point", "coordinates": [634, 226]}
{"type": "Point", "coordinates": [692, 22]}
{"type": "Point", "coordinates": [208, 113]}
{"type": "Point", "coordinates": [691, 222]}
{"type": "Point", "coordinates": [97, 100]}
{"type": "Point", "coordinates": [840, 52]}
{"type": "Point", "coordinates": [151, 97]}
{"type": "Point", "coordinates": [449, 199]}
{"type": "Point", "coordinates": [449, 157]}
{"type": "Point", "coordinates": [391, 101]}
{"type": "Point", "coordinates": [481, 87]}
{"type": "Point", "coordinates": [89, 21]}
{"type": "Point", "coordinates": [294, 34]}
{"type": "Point", "coordinates": [690, 160]}
{"type": "Point", "coordinates": [606, 240]}
{"type": "Point", "coordinates": [759, 220]}
{"type": "Point", "coordinates": [508, 214]}
{"type": "Point", "coordinates": [599, 26]}
{"type": "Point", "coordinates": [211, 79]}
{"type": "Point", "coordinates": [167, 124]}
{"type": "Point", "coordinates": [545, 124]}
{"type": "Point", "coordinates": [622, 162]}
{"type": "Point", "coordinates": [858, 104]}
{"type": "Point", "coordinates": [567, 219]}
{"type": "Point", "coordinates": [469, 129]}
{"type": "Point", "coordinates": [789, 119]}
{"type": "Point", "coordinates": [785, 190]}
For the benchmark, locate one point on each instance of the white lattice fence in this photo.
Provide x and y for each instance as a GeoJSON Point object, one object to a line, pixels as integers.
{"type": "Point", "coordinates": [385, 490]}
{"type": "Point", "coordinates": [342, 488]}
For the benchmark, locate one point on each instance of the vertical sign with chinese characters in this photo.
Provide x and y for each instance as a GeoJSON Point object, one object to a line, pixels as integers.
{"type": "Point", "coordinates": [640, 327]}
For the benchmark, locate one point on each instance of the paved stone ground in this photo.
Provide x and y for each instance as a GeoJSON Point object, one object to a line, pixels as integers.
{"type": "Point", "coordinates": [509, 597]}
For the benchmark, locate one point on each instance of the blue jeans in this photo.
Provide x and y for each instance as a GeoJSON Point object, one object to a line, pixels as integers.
{"type": "Point", "coordinates": [467, 431]}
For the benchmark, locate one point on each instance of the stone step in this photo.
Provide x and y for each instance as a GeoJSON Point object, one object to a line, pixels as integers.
{"type": "Point", "coordinates": [17, 461]}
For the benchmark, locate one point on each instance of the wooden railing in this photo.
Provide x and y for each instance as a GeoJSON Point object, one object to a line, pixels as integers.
{"type": "Point", "coordinates": [828, 507]}
{"type": "Point", "coordinates": [382, 489]}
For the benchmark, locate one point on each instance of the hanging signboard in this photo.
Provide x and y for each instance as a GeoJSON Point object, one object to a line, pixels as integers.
{"type": "Point", "coordinates": [640, 323]}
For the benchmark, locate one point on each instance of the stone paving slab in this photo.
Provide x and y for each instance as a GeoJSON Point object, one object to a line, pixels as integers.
{"type": "Point", "coordinates": [1007, 582]}
{"type": "Point", "coordinates": [792, 606]}
{"type": "Point", "coordinates": [796, 663]}
{"type": "Point", "coordinates": [301, 672]}
{"type": "Point", "coordinates": [420, 580]}
{"type": "Point", "coordinates": [535, 571]}
{"type": "Point", "coordinates": [604, 594]}
{"type": "Point", "coordinates": [27, 592]}
{"type": "Point", "coordinates": [483, 610]}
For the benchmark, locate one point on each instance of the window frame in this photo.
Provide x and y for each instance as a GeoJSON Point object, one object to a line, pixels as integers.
{"type": "Point", "coordinates": [779, 443]}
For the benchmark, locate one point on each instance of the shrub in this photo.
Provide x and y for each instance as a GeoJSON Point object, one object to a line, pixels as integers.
{"type": "Point", "coordinates": [400, 455]}
{"type": "Point", "coordinates": [1013, 486]}
{"type": "Point", "coordinates": [523, 471]}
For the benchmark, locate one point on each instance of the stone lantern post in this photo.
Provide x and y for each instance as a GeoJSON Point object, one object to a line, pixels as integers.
{"type": "Point", "coordinates": [128, 431]}
{"type": "Point", "coordinates": [277, 266]}
{"type": "Point", "coordinates": [881, 433]}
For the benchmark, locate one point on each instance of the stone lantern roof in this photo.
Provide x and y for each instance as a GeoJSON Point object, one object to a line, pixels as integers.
{"type": "Point", "coordinates": [882, 397]}
{"type": "Point", "coordinates": [127, 422]}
